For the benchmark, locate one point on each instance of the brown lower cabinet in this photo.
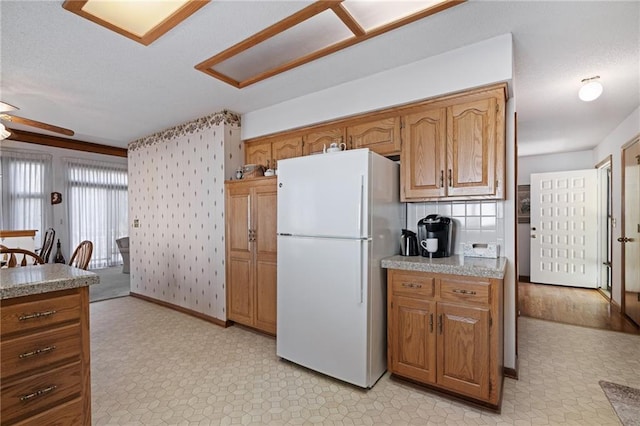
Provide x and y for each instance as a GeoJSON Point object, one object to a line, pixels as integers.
{"type": "Point", "coordinates": [251, 246]}
{"type": "Point", "coordinates": [44, 352]}
{"type": "Point", "coordinates": [445, 331]}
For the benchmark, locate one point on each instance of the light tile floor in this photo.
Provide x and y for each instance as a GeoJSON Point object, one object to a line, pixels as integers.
{"type": "Point", "coordinates": [155, 366]}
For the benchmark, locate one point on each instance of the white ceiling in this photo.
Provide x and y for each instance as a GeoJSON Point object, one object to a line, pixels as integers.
{"type": "Point", "coordinates": [64, 70]}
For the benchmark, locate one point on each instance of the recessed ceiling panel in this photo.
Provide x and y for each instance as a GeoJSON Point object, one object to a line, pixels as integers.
{"type": "Point", "coordinates": [322, 28]}
{"type": "Point", "coordinates": [371, 14]}
{"type": "Point", "coordinates": [318, 32]}
{"type": "Point", "coordinates": [136, 17]}
{"type": "Point", "coordinates": [141, 20]}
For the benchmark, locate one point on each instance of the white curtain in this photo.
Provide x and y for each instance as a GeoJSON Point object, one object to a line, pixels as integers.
{"type": "Point", "coordinates": [96, 194]}
{"type": "Point", "coordinates": [26, 190]}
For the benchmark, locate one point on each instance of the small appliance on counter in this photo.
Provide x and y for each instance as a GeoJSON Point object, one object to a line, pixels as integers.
{"type": "Point", "coordinates": [409, 243]}
{"type": "Point", "coordinates": [435, 227]}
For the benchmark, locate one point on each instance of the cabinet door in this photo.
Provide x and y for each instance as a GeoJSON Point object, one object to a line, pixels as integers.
{"type": "Point", "coordinates": [423, 155]}
{"type": "Point", "coordinates": [412, 337]}
{"type": "Point", "coordinates": [286, 148]}
{"type": "Point", "coordinates": [381, 136]}
{"type": "Point", "coordinates": [266, 296]}
{"type": "Point", "coordinates": [471, 148]}
{"type": "Point", "coordinates": [258, 153]}
{"type": "Point", "coordinates": [265, 248]}
{"type": "Point", "coordinates": [463, 349]}
{"type": "Point", "coordinates": [239, 256]}
{"type": "Point", "coordinates": [315, 142]}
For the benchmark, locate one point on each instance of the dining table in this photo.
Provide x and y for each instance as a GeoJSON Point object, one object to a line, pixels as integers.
{"type": "Point", "coordinates": [45, 371]}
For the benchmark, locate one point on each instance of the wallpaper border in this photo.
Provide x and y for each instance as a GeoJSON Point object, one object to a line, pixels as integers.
{"type": "Point", "coordinates": [190, 127]}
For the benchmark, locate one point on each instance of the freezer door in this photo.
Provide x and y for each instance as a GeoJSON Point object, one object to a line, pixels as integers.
{"type": "Point", "coordinates": [324, 195]}
{"type": "Point", "coordinates": [322, 306]}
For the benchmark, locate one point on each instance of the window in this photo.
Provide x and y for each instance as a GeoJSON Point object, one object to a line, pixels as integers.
{"type": "Point", "coordinates": [26, 188]}
{"type": "Point", "coordinates": [97, 208]}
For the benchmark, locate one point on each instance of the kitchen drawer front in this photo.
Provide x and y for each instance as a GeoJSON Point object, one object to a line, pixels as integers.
{"type": "Point", "coordinates": [18, 316]}
{"type": "Point", "coordinates": [413, 285]}
{"type": "Point", "coordinates": [67, 414]}
{"type": "Point", "coordinates": [465, 291]}
{"type": "Point", "coordinates": [26, 397]}
{"type": "Point", "coordinates": [33, 351]}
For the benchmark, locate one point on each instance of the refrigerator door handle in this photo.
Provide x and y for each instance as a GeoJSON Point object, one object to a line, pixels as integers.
{"type": "Point", "coordinates": [361, 272]}
{"type": "Point", "coordinates": [360, 205]}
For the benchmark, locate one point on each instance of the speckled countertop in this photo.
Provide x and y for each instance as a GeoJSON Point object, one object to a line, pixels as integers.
{"type": "Point", "coordinates": [28, 280]}
{"type": "Point", "coordinates": [457, 265]}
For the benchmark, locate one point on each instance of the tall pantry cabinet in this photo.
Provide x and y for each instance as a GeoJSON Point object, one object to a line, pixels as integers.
{"type": "Point", "coordinates": [251, 246]}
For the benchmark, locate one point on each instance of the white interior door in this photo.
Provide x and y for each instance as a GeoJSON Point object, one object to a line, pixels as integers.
{"type": "Point", "coordinates": [564, 218]}
{"type": "Point", "coordinates": [630, 239]}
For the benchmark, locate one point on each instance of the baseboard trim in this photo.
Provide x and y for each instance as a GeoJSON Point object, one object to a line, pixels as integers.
{"type": "Point", "coordinates": [187, 311]}
{"type": "Point", "coordinates": [524, 278]}
{"type": "Point", "coordinates": [604, 294]}
{"type": "Point", "coordinates": [616, 305]}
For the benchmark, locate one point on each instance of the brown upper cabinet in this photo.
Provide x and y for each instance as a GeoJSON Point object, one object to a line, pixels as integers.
{"type": "Point", "coordinates": [315, 142]}
{"type": "Point", "coordinates": [455, 149]}
{"type": "Point", "coordinates": [269, 152]}
{"type": "Point", "coordinates": [381, 136]}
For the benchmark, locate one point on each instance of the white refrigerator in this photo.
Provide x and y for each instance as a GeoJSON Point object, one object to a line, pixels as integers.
{"type": "Point", "coordinates": [338, 215]}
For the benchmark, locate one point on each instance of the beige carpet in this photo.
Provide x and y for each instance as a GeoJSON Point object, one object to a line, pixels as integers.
{"type": "Point", "coordinates": [113, 283]}
{"type": "Point", "coordinates": [624, 400]}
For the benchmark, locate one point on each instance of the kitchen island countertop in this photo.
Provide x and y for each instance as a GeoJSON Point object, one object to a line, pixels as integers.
{"type": "Point", "coordinates": [455, 265]}
{"type": "Point", "coordinates": [29, 280]}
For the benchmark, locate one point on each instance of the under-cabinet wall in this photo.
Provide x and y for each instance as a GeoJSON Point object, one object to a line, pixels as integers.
{"type": "Point", "coordinates": [473, 221]}
{"type": "Point", "coordinates": [176, 195]}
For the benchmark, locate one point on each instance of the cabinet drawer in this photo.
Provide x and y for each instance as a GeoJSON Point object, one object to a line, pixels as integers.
{"type": "Point", "coordinates": [413, 285]}
{"type": "Point", "coordinates": [476, 292]}
{"type": "Point", "coordinates": [29, 396]}
{"type": "Point", "coordinates": [67, 414]}
{"type": "Point", "coordinates": [23, 314]}
{"type": "Point", "coordinates": [37, 350]}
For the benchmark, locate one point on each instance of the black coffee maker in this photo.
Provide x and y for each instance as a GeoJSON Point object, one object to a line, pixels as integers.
{"type": "Point", "coordinates": [435, 226]}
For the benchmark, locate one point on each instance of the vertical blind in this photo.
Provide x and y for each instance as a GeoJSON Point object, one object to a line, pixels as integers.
{"type": "Point", "coordinates": [26, 188]}
{"type": "Point", "coordinates": [97, 207]}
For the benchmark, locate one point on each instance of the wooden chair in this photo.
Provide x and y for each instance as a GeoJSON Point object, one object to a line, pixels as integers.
{"type": "Point", "coordinates": [82, 255]}
{"type": "Point", "coordinates": [47, 244]}
{"type": "Point", "coordinates": [11, 261]}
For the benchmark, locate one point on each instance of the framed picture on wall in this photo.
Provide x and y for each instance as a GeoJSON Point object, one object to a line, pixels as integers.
{"type": "Point", "coordinates": [524, 203]}
{"type": "Point", "coordinates": [56, 198]}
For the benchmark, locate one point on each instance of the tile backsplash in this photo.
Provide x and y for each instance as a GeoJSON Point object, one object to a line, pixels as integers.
{"type": "Point", "coordinates": [474, 221]}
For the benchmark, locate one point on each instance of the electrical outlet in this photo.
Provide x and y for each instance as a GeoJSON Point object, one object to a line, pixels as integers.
{"type": "Point", "coordinates": [136, 223]}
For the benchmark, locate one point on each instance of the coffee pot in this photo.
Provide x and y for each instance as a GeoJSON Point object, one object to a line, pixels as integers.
{"type": "Point", "coordinates": [409, 243]}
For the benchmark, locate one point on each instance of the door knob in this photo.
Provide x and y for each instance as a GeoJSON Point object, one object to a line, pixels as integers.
{"type": "Point", "coordinates": [625, 240]}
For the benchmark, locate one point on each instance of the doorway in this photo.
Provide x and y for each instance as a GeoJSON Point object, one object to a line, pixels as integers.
{"type": "Point", "coordinates": [605, 227]}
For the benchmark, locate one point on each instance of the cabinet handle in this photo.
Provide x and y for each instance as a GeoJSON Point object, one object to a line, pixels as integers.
{"type": "Point", "coordinates": [463, 291]}
{"type": "Point", "coordinates": [411, 285]}
{"type": "Point", "coordinates": [450, 178]}
{"type": "Point", "coordinates": [440, 323]}
{"type": "Point", "coordinates": [35, 315]}
{"type": "Point", "coordinates": [431, 322]}
{"type": "Point", "coordinates": [441, 178]}
{"type": "Point", "coordinates": [38, 393]}
{"type": "Point", "coordinates": [36, 352]}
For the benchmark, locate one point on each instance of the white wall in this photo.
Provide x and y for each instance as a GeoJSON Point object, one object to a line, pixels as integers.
{"type": "Point", "coordinates": [176, 192]}
{"type": "Point", "coordinates": [476, 65]}
{"type": "Point", "coordinates": [480, 64]}
{"type": "Point", "coordinates": [579, 160]}
{"type": "Point", "coordinates": [612, 145]}
{"type": "Point", "coordinates": [59, 211]}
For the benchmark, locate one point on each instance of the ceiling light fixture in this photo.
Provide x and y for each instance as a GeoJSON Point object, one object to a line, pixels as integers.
{"type": "Point", "coordinates": [4, 133]}
{"type": "Point", "coordinates": [139, 20]}
{"type": "Point", "coordinates": [591, 89]}
{"type": "Point", "coordinates": [315, 31]}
